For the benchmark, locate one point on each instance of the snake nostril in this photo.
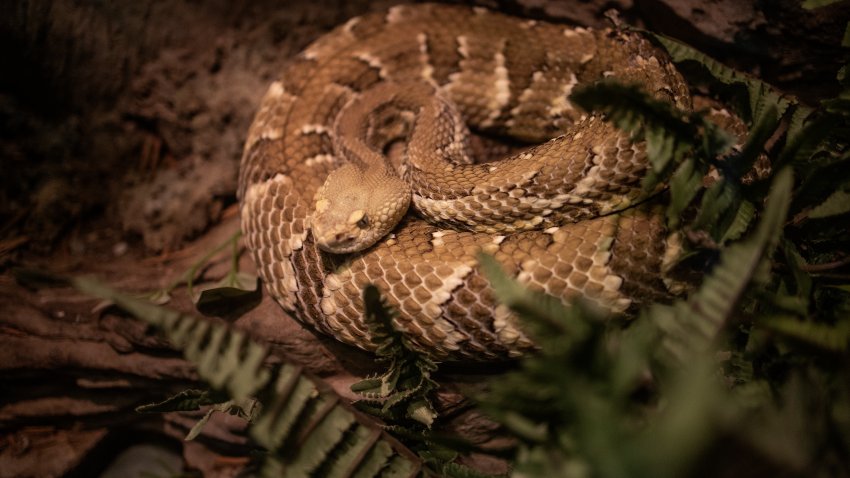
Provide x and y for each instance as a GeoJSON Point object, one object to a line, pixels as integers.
{"type": "Point", "coordinates": [342, 237]}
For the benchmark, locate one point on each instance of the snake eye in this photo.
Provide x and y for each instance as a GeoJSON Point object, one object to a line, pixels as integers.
{"type": "Point", "coordinates": [363, 223]}
{"type": "Point", "coordinates": [359, 219]}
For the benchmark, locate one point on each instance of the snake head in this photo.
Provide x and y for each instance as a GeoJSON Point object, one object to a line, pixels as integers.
{"type": "Point", "coordinates": [355, 209]}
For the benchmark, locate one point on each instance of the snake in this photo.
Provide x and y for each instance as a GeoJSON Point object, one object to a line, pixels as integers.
{"type": "Point", "coordinates": [360, 168]}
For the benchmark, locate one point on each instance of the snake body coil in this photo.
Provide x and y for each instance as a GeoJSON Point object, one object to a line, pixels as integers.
{"type": "Point", "coordinates": [559, 216]}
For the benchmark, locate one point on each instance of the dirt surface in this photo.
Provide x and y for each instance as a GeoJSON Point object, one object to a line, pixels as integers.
{"type": "Point", "coordinates": [121, 130]}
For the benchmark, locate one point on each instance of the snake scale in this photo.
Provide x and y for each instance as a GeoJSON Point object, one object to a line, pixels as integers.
{"type": "Point", "coordinates": [565, 217]}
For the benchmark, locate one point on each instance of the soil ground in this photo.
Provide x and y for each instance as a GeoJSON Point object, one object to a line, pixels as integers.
{"type": "Point", "coordinates": [121, 127]}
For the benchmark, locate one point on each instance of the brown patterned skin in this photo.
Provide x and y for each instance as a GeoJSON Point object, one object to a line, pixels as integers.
{"type": "Point", "coordinates": [545, 214]}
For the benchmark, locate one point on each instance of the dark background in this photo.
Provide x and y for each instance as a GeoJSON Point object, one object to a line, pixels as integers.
{"type": "Point", "coordinates": [121, 127]}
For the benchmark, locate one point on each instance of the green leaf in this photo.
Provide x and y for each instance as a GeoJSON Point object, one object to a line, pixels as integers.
{"type": "Point", "coordinates": [843, 287]}
{"type": "Point", "coordinates": [836, 204]}
{"type": "Point", "coordinates": [231, 285]}
{"type": "Point", "coordinates": [685, 183]}
{"type": "Point", "coordinates": [812, 4]}
{"type": "Point", "coordinates": [311, 429]}
{"type": "Point", "coordinates": [681, 52]}
{"type": "Point", "coordinates": [687, 424]}
{"type": "Point", "coordinates": [185, 401]}
{"type": "Point", "coordinates": [327, 432]}
{"type": "Point", "coordinates": [799, 148]}
{"type": "Point", "coordinates": [798, 119]}
{"type": "Point", "coordinates": [690, 327]}
{"type": "Point", "coordinates": [246, 410]}
{"type": "Point", "coordinates": [767, 105]}
{"type": "Point", "coordinates": [234, 294]}
{"type": "Point", "coordinates": [158, 297]}
{"type": "Point", "coordinates": [375, 460]}
{"type": "Point", "coordinates": [802, 279]}
{"type": "Point", "coordinates": [838, 106]}
{"type": "Point", "coordinates": [834, 338]}
{"type": "Point", "coordinates": [456, 470]}
{"type": "Point", "coordinates": [422, 411]}
{"type": "Point", "coordinates": [740, 222]}
{"type": "Point", "coordinates": [717, 200]}
{"type": "Point", "coordinates": [199, 425]}
{"type": "Point", "coordinates": [820, 180]}
{"type": "Point", "coordinates": [290, 397]}
{"type": "Point", "coordinates": [739, 164]}
{"type": "Point", "coordinates": [525, 428]}
{"type": "Point", "coordinates": [358, 442]}
{"type": "Point", "coordinates": [398, 468]}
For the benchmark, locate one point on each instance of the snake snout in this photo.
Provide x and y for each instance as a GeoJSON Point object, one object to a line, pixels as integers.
{"type": "Point", "coordinates": [343, 238]}
{"type": "Point", "coordinates": [336, 240]}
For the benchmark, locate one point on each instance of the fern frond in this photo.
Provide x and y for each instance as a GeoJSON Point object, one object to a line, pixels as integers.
{"type": "Point", "coordinates": [802, 280]}
{"type": "Point", "coordinates": [455, 470]}
{"type": "Point", "coordinates": [716, 201]}
{"type": "Point", "coordinates": [245, 409]}
{"type": "Point", "coordinates": [680, 145]}
{"type": "Point", "coordinates": [405, 388]}
{"type": "Point", "coordinates": [737, 165]}
{"type": "Point", "coordinates": [740, 222]}
{"type": "Point", "coordinates": [820, 180]}
{"type": "Point", "coordinates": [836, 204]}
{"type": "Point", "coordinates": [669, 133]}
{"type": "Point", "coordinates": [685, 184]}
{"type": "Point", "coordinates": [321, 434]}
{"type": "Point", "coordinates": [225, 358]}
{"type": "Point", "coordinates": [809, 135]}
{"type": "Point", "coordinates": [723, 213]}
{"type": "Point", "coordinates": [798, 119]}
{"type": "Point", "coordinates": [302, 421]}
{"type": "Point", "coordinates": [544, 315]}
{"type": "Point", "coordinates": [831, 337]}
{"type": "Point", "coordinates": [185, 401]}
{"type": "Point", "coordinates": [690, 327]}
{"type": "Point", "coordinates": [761, 96]}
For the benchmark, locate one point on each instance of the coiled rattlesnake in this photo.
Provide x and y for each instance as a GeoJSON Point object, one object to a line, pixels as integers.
{"type": "Point", "coordinates": [559, 216]}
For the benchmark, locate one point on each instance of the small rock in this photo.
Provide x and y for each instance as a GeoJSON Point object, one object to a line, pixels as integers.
{"type": "Point", "coordinates": [119, 249]}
